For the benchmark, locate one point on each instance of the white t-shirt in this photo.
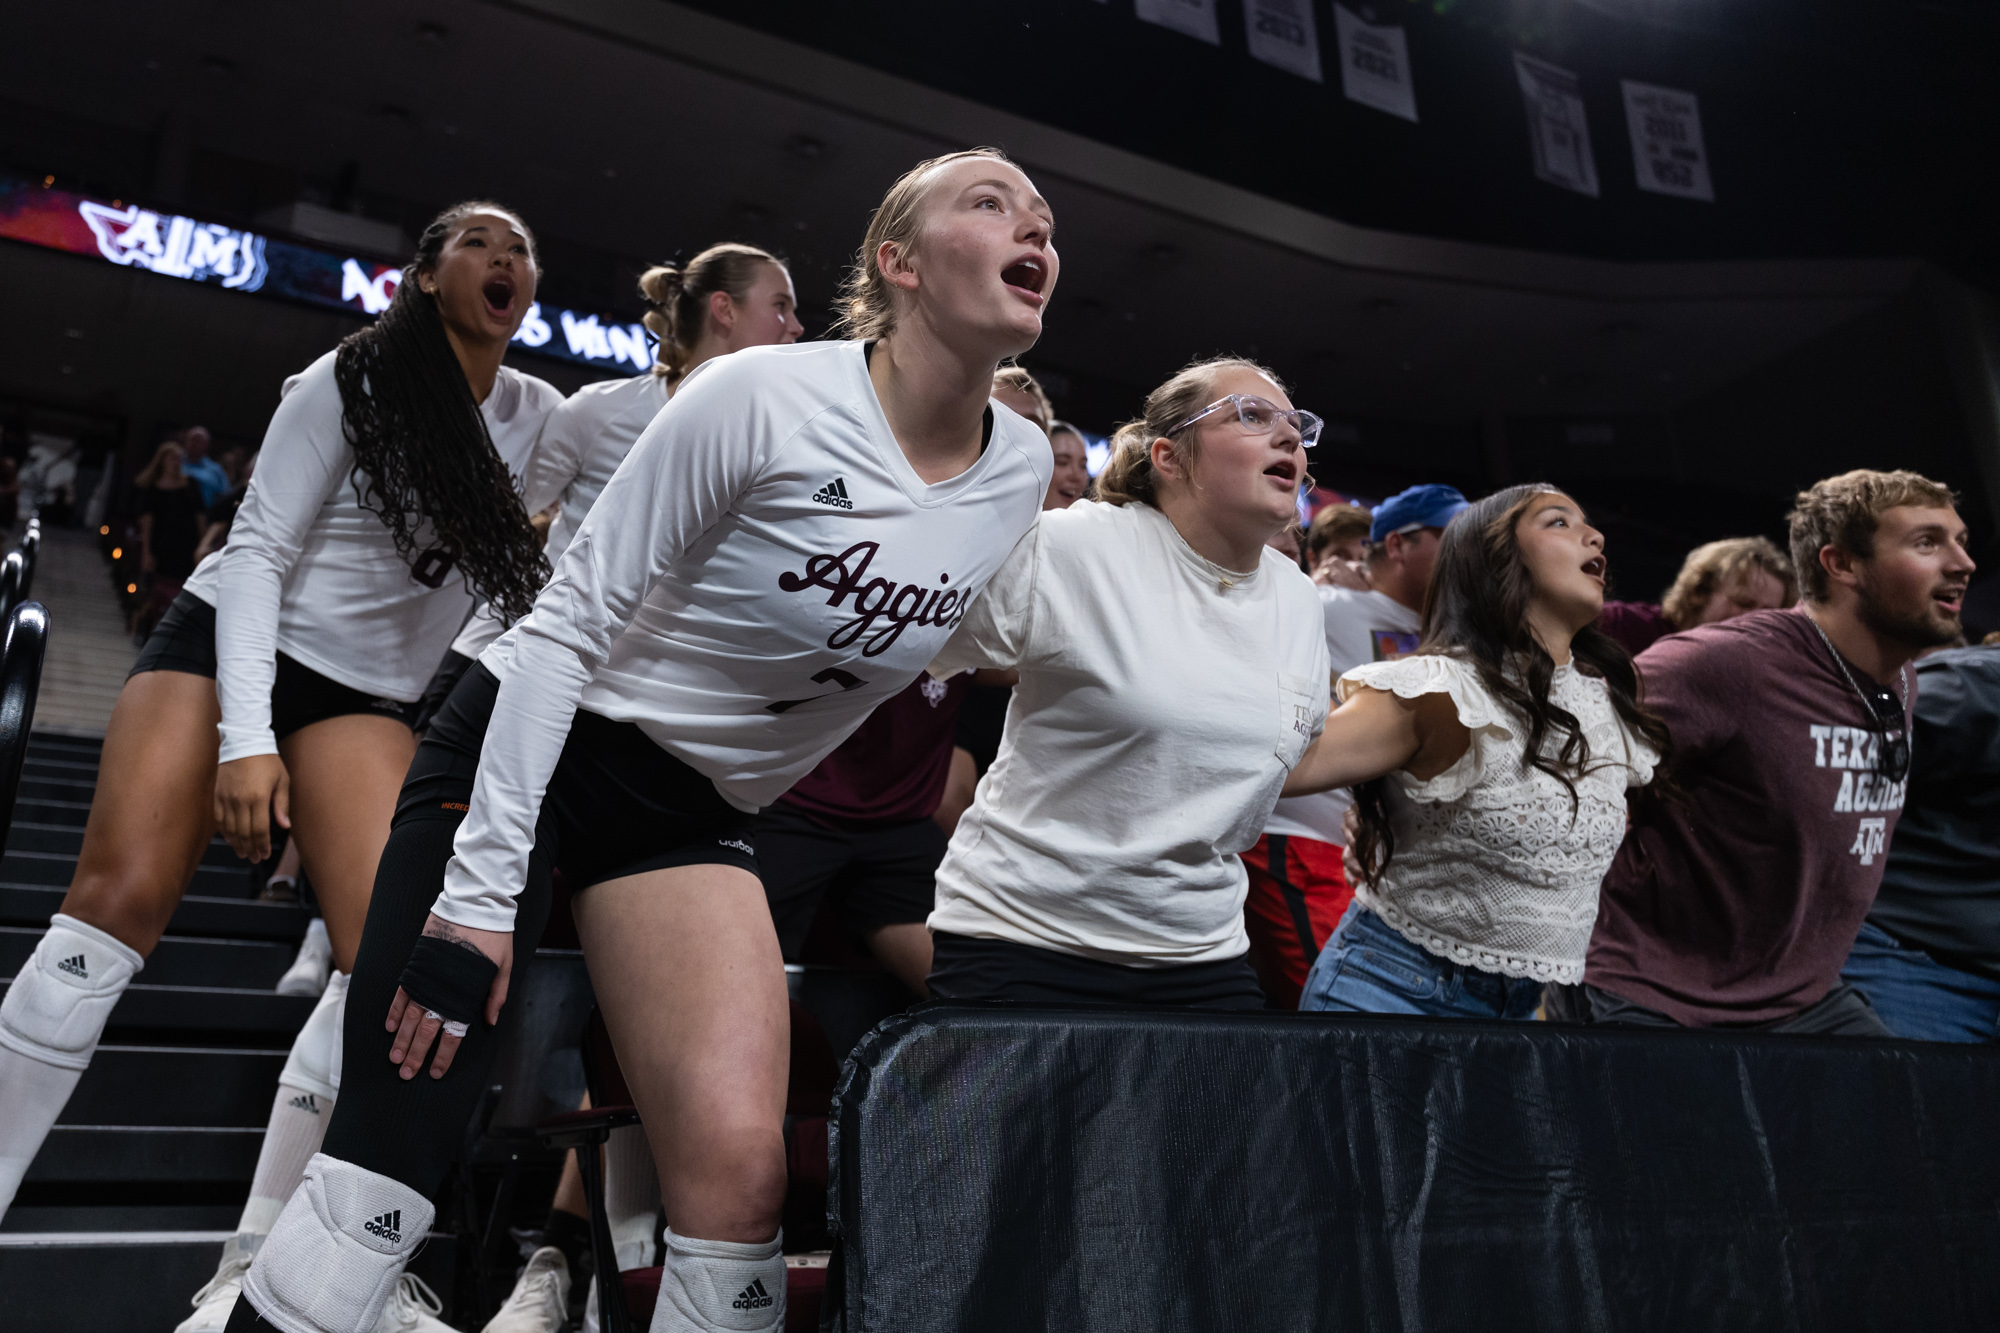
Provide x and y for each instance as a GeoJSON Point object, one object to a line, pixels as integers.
{"type": "Point", "coordinates": [310, 573]}
{"type": "Point", "coordinates": [762, 570]}
{"type": "Point", "coordinates": [1157, 717]}
{"type": "Point", "coordinates": [1361, 627]}
{"type": "Point", "coordinates": [583, 442]}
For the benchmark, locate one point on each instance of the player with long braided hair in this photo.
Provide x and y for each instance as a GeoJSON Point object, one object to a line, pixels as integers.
{"type": "Point", "coordinates": [384, 501]}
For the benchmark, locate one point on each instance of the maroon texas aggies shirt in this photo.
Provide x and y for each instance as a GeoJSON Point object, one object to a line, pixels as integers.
{"type": "Point", "coordinates": [893, 768]}
{"type": "Point", "coordinates": [1742, 906]}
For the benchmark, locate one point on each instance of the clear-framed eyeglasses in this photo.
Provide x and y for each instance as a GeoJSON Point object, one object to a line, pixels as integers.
{"type": "Point", "coordinates": [1260, 416]}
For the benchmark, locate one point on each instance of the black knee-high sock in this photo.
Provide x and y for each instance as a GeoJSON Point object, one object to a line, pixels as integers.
{"type": "Point", "coordinates": [411, 1130]}
{"type": "Point", "coordinates": [245, 1319]}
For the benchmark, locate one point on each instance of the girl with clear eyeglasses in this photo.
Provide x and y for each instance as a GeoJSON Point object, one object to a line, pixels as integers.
{"type": "Point", "coordinates": [1173, 670]}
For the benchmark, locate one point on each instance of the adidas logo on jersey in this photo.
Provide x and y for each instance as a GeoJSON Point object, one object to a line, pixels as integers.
{"type": "Point", "coordinates": [752, 1297]}
{"type": "Point", "coordinates": [833, 493]}
{"type": "Point", "coordinates": [389, 1226]}
{"type": "Point", "coordinates": [75, 967]}
{"type": "Point", "coordinates": [305, 1102]}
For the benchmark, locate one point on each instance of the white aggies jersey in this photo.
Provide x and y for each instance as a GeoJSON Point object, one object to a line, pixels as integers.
{"type": "Point", "coordinates": [760, 573]}
{"type": "Point", "coordinates": [309, 572]}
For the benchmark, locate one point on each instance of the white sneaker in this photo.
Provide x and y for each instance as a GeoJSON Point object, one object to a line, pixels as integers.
{"type": "Point", "coordinates": [309, 971]}
{"type": "Point", "coordinates": [539, 1302]}
{"type": "Point", "coordinates": [412, 1308]}
{"type": "Point", "coordinates": [213, 1303]}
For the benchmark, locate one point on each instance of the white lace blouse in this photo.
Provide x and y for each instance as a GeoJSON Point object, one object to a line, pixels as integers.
{"type": "Point", "coordinates": [1493, 867]}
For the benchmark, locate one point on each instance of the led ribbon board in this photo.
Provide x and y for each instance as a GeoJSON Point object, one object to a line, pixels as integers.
{"type": "Point", "coordinates": [243, 261]}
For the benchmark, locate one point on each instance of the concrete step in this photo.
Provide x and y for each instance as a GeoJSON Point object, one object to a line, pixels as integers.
{"type": "Point", "coordinates": [177, 1086]}
{"type": "Point", "coordinates": [147, 1154]}
{"type": "Point", "coordinates": [228, 917]}
{"type": "Point", "coordinates": [176, 1013]}
{"type": "Point", "coordinates": [65, 838]}
{"type": "Point", "coordinates": [137, 1281]}
{"type": "Point", "coordinates": [21, 867]}
{"type": "Point", "coordinates": [109, 1212]}
{"type": "Point", "coordinates": [73, 813]}
{"type": "Point", "coordinates": [61, 767]}
{"type": "Point", "coordinates": [180, 961]}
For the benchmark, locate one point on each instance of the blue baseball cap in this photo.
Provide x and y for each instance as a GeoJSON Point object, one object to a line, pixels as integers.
{"type": "Point", "coordinates": [1429, 506]}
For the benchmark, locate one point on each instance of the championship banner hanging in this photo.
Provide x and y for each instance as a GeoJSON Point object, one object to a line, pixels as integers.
{"type": "Point", "coordinates": [1667, 151]}
{"type": "Point", "coordinates": [1374, 64]}
{"type": "Point", "coordinates": [1281, 33]}
{"type": "Point", "coordinates": [1196, 18]}
{"type": "Point", "coordinates": [1558, 130]}
{"type": "Point", "coordinates": [242, 261]}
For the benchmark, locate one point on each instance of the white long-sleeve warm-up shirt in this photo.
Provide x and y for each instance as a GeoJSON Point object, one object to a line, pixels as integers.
{"type": "Point", "coordinates": [762, 570]}
{"type": "Point", "coordinates": [1162, 704]}
{"type": "Point", "coordinates": [582, 444]}
{"type": "Point", "coordinates": [309, 572]}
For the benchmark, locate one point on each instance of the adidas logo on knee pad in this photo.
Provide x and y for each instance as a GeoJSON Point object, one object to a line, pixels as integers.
{"type": "Point", "coordinates": [753, 1297]}
{"type": "Point", "coordinates": [75, 967]}
{"type": "Point", "coordinates": [389, 1226]}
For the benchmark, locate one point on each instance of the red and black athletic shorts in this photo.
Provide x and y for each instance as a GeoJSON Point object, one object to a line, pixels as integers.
{"type": "Point", "coordinates": [1297, 894]}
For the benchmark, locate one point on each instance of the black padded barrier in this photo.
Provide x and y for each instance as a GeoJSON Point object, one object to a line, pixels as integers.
{"type": "Point", "coordinates": [1020, 1169]}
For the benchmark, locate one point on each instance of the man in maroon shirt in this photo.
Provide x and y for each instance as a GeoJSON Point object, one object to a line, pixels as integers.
{"type": "Point", "coordinates": [859, 826]}
{"type": "Point", "coordinates": [1737, 908]}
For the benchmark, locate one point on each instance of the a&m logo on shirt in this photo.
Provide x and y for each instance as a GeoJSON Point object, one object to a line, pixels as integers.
{"type": "Point", "coordinates": [1869, 840]}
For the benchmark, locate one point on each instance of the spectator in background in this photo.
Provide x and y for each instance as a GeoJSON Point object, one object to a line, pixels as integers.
{"type": "Point", "coordinates": [1717, 581]}
{"type": "Point", "coordinates": [1020, 391]}
{"type": "Point", "coordinates": [1298, 888]}
{"type": "Point", "coordinates": [1928, 957]}
{"type": "Point", "coordinates": [222, 514]}
{"type": "Point", "coordinates": [203, 471]}
{"type": "Point", "coordinates": [171, 519]}
{"type": "Point", "coordinates": [1071, 481]}
{"type": "Point", "coordinates": [1791, 731]}
{"type": "Point", "coordinates": [1338, 532]}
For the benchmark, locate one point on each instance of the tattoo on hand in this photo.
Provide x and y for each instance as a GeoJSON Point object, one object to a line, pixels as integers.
{"type": "Point", "coordinates": [444, 930]}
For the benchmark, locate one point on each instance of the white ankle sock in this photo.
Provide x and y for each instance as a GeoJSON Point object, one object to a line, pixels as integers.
{"type": "Point", "coordinates": [631, 1196]}
{"type": "Point", "coordinates": [719, 1286]}
{"type": "Point", "coordinates": [50, 1022]}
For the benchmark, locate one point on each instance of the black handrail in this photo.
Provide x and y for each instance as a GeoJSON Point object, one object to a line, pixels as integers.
{"type": "Point", "coordinates": [30, 548]}
{"type": "Point", "coordinates": [13, 573]}
{"type": "Point", "coordinates": [27, 644]}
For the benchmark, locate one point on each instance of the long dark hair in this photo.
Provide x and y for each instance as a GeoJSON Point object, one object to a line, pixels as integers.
{"type": "Point", "coordinates": [422, 453]}
{"type": "Point", "coordinates": [1476, 609]}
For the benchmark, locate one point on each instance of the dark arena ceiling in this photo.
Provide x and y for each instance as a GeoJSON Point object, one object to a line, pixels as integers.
{"type": "Point", "coordinates": [1415, 282]}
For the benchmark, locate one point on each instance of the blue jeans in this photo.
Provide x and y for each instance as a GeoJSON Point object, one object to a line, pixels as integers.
{"type": "Point", "coordinates": [1919, 997]}
{"type": "Point", "coordinates": [1367, 968]}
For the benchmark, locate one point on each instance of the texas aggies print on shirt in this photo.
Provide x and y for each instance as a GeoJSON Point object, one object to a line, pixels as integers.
{"type": "Point", "coordinates": [1740, 904]}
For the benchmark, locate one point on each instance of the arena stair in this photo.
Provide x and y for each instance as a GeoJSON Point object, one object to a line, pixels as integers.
{"type": "Point", "coordinates": [124, 1212]}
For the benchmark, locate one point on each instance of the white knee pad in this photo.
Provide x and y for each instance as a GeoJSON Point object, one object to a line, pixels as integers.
{"type": "Point", "coordinates": [57, 1007]}
{"type": "Point", "coordinates": [708, 1285]}
{"type": "Point", "coordinates": [332, 1260]}
{"type": "Point", "coordinates": [314, 1063]}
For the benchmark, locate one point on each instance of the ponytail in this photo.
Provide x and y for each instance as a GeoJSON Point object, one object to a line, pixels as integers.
{"type": "Point", "coordinates": [678, 295]}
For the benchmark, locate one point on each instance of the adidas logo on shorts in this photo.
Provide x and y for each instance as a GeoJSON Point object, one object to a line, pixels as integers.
{"type": "Point", "coordinates": [389, 1226]}
{"type": "Point", "coordinates": [305, 1102]}
{"type": "Point", "coordinates": [752, 1297]}
{"type": "Point", "coordinates": [738, 844]}
{"type": "Point", "coordinates": [75, 967]}
{"type": "Point", "coordinates": [833, 493]}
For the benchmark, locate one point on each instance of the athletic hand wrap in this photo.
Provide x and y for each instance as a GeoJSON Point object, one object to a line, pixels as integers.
{"type": "Point", "coordinates": [450, 979]}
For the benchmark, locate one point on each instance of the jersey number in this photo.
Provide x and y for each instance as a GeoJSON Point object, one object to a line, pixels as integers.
{"type": "Point", "coordinates": [830, 676]}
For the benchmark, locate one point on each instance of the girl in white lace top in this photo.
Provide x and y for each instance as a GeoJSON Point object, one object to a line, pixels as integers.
{"type": "Point", "coordinates": [1491, 772]}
